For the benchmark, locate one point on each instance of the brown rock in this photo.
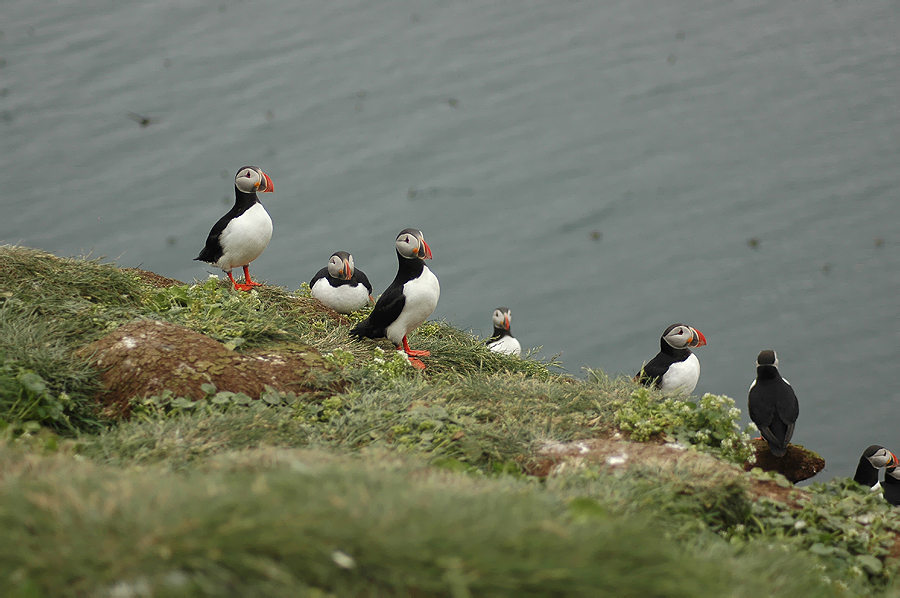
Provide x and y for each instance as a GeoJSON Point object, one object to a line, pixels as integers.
{"type": "Point", "coordinates": [145, 357]}
{"type": "Point", "coordinates": [796, 465]}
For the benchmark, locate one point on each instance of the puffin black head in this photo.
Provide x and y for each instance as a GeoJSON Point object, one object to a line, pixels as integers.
{"type": "Point", "coordinates": [680, 336]}
{"type": "Point", "coordinates": [873, 458]}
{"type": "Point", "coordinates": [502, 318]}
{"type": "Point", "coordinates": [411, 245]}
{"type": "Point", "coordinates": [767, 357]}
{"type": "Point", "coordinates": [250, 179]}
{"type": "Point", "coordinates": [340, 265]}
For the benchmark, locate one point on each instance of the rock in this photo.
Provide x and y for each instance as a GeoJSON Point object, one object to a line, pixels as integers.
{"type": "Point", "coordinates": [796, 465]}
{"type": "Point", "coordinates": [145, 357]}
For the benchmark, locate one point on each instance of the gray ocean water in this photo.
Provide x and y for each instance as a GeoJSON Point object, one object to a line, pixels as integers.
{"type": "Point", "coordinates": [599, 167]}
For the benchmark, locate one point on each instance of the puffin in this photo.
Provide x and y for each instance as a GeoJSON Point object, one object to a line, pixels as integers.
{"type": "Point", "coordinates": [241, 235]}
{"type": "Point", "coordinates": [675, 369]}
{"type": "Point", "coordinates": [408, 300]}
{"type": "Point", "coordinates": [502, 340]}
{"type": "Point", "coordinates": [873, 458]}
{"type": "Point", "coordinates": [892, 485]}
{"type": "Point", "coordinates": [340, 285]}
{"type": "Point", "coordinates": [772, 404]}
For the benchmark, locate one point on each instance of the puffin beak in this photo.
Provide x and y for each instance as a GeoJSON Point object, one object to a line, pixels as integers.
{"type": "Point", "coordinates": [346, 270]}
{"type": "Point", "coordinates": [506, 322]}
{"type": "Point", "coordinates": [269, 186]}
{"type": "Point", "coordinates": [697, 340]}
{"type": "Point", "coordinates": [893, 462]}
{"type": "Point", "coordinates": [427, 255]}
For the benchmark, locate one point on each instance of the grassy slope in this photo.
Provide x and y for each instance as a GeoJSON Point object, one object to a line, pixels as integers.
{"type": "Point", "coordinates": [407, 484]}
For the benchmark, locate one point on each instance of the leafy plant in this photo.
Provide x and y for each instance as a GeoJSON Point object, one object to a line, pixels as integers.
{"type": "Point", "coordinates": [710, 425]}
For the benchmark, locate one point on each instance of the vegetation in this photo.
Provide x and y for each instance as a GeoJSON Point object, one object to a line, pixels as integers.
{"type": "Point", "coordinates": [401, 483]}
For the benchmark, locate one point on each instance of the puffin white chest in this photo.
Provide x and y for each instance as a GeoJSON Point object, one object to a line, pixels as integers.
{"type": "Point", "coordinates": [421, 296]}
{"type": "Point", "coordinates": [506, 344]}
{"type": "Point", "coordinates": [344, 298]}
{"type": "Point", "coordinates": [682, 376]}
{"type": "Point", "coordinates": [245, 238]}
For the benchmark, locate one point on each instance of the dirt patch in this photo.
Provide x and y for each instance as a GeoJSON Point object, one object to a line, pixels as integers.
{"type": "Point", "coordinates": [796, 465]}
{"type": "Point", "coordinates": [145, 357]}
{"type": "Point", "coordinates": [153, 279]}
{"type": "Point", "coordinates": [616, 452]}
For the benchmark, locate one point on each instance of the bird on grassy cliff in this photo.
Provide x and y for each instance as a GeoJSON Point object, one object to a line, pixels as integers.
{"type": "Point", "coordinates": [340, 285]}
{"type": "Point", "coordinates": [675, 369]}
{"type": "Point", "coordinates": [409, 299]}
{"type": "Point", "coordinates": [241, 235]}
{"type": "Point", "coordinates": [873, 458]}
{"type": "Point", "coordinates": [772, 404]}
{"type": "Point", "coordinates": [502, 340]}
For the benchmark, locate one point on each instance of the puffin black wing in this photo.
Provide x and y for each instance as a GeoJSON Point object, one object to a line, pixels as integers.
{"type": "Point", "coordinates": [387, 309]}
{"type": "Point", "coordinates": [212, 252]}
{"type": "Point", "coordinates": [652, 373]}
{"type": "Point", "coordinates": [362, 278]}
{"type": "Point", "coordinates": [891, 485]}
{"type": "Point", "coordinates": [323, 273]}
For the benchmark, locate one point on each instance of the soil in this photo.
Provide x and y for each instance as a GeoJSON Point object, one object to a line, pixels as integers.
{"type": "Point", "coordinates": [146, 357]}
{"type": "Point", "coordinates": [796, 465]}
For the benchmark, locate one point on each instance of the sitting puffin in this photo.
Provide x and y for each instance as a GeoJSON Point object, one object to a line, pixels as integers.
{"type": "Point", "coordinates": [241, 235]}
{"type": "Point", "coordinates": [409, 299]}
{"type": "Point", "coordinates": [502, 341]}
{"type": "Point", "coordinates": [340, 286]}
{"type": "Point", "coordinates": [675, 369]}
{"type": "Point", "coordinates": [892, 485]}
{"type": "Point", "coordinates": [873, 458]}
{"type": "Point", "coordinates": [772, 404]}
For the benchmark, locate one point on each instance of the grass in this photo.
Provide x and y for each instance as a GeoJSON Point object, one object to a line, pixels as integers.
{"type": "Point", "coordinates": [403, 483]}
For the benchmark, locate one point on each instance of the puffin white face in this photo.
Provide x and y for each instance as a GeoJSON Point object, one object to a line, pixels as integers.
{"type": "Point", "coordinates": [251, 179]}
{"type": "Point", "coordinates": [502, 318]}
{"type": "Point", "coordinates": [411, 244]}
{"type": "Point", "coordinates": [882, 458]}
{"type": "Point", "coordinates": [894, 472]}
{"type": "Point", "coordinates": [341, 265]}
{"type": "Point", "coordinates": [680, 336]}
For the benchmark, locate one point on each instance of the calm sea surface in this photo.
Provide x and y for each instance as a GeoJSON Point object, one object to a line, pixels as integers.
{"type": "Point", "coordinates": [603, 168]}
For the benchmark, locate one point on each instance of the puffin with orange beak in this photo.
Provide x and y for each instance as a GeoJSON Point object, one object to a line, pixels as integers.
{"type": "Point", "coordinates": [502, 341]}
{"type": "Point", "coordinates": [340, 285]}
{"type": "Point", "coordinates": [675, 369]}
{"type": "Point", "coordinates": [772, 404]}
{"type": "Point", "coordinates": [241, 235]}
{"type": "Point", "coordinates": [409, 299]}
{"type": "Point", "coordinates": [874, 458]}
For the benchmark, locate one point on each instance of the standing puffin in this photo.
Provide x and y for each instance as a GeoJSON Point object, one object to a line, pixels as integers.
{"type": "Point", "coordinates": [241, 235]}
{"type": "Point", "coordinates": [873, 458]}
{"type": "Point", "coordinates": [340, 286]}
{"type": "Point", "coordinates": [502, 340]}
{"type": "Point", "coordinates": [772, 404]}
{"type": "Point", "coordinates": [409, 299]}
{"type": "Point", "coordinates": [675, 369]}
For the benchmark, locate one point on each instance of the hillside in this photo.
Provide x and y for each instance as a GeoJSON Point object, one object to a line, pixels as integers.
{"type": "Point", "coordinates": [167, 439]}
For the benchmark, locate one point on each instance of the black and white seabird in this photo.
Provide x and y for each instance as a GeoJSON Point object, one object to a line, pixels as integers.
{"type": "Point", "coordinates": [502, 340]}
{"type": "Point", "coordinates": [340, 285]}
{"type": "Point", "coordinates": [892, 485]}
{"type": "Point", "coordinates": [873, 458]}
{"type": "Point", "coordinates": [409, 299]}
{"type": "Point", "coordinates": [772, 404]}
{"type": "Point", "coordinates": [675, 369]}
{"type": "Point", "coordinates": [241, 235]}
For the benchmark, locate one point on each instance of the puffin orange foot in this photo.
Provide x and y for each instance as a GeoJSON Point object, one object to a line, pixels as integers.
{"type": "Point", "coordinates": [416, 363]}
{"type": "Point", "coordinates": [244, 287]}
